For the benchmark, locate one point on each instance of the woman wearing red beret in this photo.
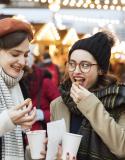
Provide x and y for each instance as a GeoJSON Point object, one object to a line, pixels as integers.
{"type": "Point", "coordinates": [15, 113]}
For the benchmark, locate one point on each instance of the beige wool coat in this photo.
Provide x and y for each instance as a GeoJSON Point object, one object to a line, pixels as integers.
{"type": "Point", "coordinates": [112, 133]}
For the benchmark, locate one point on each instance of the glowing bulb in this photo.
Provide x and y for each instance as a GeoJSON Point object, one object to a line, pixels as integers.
{"type": "Point", "coordinates": [92, 5]}
{"type": "Point", "coordinates": [85, 5]}
{"type": "Point", "coordinates": [105, 6]}
{"type": "Point", "coordinates": [65, 2]}
{"type": "Point", "coordinates": [43, 1]}
{"type": "Point", "coordinates": [50, 1]}
{"type": "Point", "coordinates": [123, 1]}
{"type": "Point", "coordinates": [97, 1]}
{"type": "Point", "coordinates": [88, 1]}
{"type": "Point", "coordinates": [99, 6]}
{"type": "Point", "coordinates": [106, 2]}
{"type": "Point", "coordinates": [118, 8]}
{"type": "Point", "coordinates": [115, 1]}
{"type": "Point", "coordinates": [112, 7]}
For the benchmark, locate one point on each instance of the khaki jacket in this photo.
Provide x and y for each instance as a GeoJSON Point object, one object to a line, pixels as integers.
{"type": "Point", "coordinates": [112, 133]}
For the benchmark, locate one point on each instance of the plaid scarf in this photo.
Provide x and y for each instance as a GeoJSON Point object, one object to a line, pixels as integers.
{"type": "Point", "coordinates": [92, 147]}
{"type": "Point", "coordinates": [12, 144]}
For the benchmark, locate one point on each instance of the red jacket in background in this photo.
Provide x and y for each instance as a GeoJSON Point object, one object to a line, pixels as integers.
{"type": "Point", "coordinates": [36, 82]}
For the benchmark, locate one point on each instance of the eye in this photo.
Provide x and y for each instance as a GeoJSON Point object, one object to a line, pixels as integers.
{"type": "Point", "coordinates": [72, 64]}
{"type": "Point", "coordinates": [26, 55]}
{"type": "Point", "coordinates": [15, 54]}
{"type": "Point", "coordinates": [85, 65]}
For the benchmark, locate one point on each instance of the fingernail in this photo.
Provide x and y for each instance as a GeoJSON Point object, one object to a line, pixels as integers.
{"type": "Point", "coordinates": [68, 154]}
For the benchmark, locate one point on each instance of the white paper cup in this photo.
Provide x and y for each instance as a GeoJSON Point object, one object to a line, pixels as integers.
{"type": "Point", "coordinates": [36, 141]}
{"type": "Point", "coordinates": [70, 144]}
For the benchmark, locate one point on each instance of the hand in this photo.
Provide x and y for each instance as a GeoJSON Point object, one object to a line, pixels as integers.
{"type": "Point", "coordinates": [59, 155]}
{"type": "Point", "coordinates": [22, 115]}
{"type": "Point", "coordinates": [43, 153]}
{"type": "Point", "coordinates": [78, 92]}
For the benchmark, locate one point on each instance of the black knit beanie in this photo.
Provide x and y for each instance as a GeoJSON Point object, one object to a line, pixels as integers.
{"type": "Point", "coordinates": [99, 45]}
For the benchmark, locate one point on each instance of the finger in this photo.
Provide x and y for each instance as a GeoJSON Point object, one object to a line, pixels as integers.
{"type": "Point", "coordinates": [59, 154]}
{"type": "Point", "coordinates": [45, 141]}
{"type": "Point", "coordinates": [75, 88]}
{"type": "Point", "coordinates": [86, 92]}
{"type": "Point", "coordinates": [75, 94]}
{"type": "Point", "coordinates": [25, 111]}
{"type": "Point", "coordinates": [26, 102]}
{"type": "Point", "coordinates": [43, 153]}
{"type": "Point", "coordinates": [29, 118]}
{"type": "Point", "coordinates": [67, 156]}
{"type": "Point", "coordinates": [28, 125]}
{"type": "Point", "coordinates": [76, 100]}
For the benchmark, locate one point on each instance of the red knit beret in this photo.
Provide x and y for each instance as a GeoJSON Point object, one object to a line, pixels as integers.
{"type": "Point", "coordinates": [9, 25]}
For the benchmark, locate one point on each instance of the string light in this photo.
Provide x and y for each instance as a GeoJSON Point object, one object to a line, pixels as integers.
{"type": "Point", "coordinates": [50, 1]}
{"type": "Point", "coordinates": [85, 5]}
{"type": "Point", "coordinates": [112, 7]}
{"type": "Point", "coordinates": [115, 2]}
{"type": "Point", "coordinates": [92, 4]}
{"type": "Point", "coordinates": [43, 1]}
{"type": "Point", "coordinates": [105, 6]}
{"type": "Point", "coordinates": [88, 1]}
{"type": "Point", "coordinates": [106, 1]}
{"type": "Point", "coordinates": [72, 3]}
{"type": "Point", "coordinates": [99, 6]}
{"type": "Point", "coordinates": [97, 1]}
{"type": "Point", "coordinates": [118, 8]}
{"type": "Point", "coordinates": [65, 2]}
{"type": "Point", "coordinates": [123, 1]}
{"type": "Point", "coordinates": [80, 3]}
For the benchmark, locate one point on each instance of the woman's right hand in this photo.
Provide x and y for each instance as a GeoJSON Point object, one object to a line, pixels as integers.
{"type": "Point", "coordinates": [22, 115]}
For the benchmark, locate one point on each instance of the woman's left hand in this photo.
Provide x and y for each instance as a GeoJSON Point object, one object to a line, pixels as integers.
{"type": "Point", "coordinates": [78, 92]}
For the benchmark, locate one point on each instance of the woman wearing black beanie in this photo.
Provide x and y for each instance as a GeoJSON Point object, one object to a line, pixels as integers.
{"type": "Point", "coordinates": [92, 102]}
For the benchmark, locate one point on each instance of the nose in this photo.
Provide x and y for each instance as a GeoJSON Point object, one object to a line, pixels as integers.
{"type": "Point", "coordinates": [22, 60]}
{"type": "Point", "coordinates": [77, 69]}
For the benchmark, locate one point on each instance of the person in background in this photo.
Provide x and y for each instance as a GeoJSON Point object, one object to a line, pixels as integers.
{"type": "Point", "coordinates": [40, 89]}
{"type": "Point", "coordinates": [37, 84]}
{"type": "Point", "coordinates": [93, 102]}
{"type": "Point", "coordinates": [15, 113]}
{"type": "Point", "coordinates": [47, 63]}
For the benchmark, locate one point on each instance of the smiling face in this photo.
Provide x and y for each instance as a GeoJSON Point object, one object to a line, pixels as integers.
{"type": "Point", "coordinates": [88, 79]}
{"type": "Point", "coordinates": [13, 60]}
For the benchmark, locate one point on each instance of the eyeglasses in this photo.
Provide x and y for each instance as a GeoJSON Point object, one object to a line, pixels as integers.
{"type": "Point", "coordinates": [84, 66]}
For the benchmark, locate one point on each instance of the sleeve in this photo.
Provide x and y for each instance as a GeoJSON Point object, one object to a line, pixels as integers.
{"type": "Point", "coordinates": [51, 89]}
{"type": "Point", "coordinates": [50, 92]}
{"type": "Point", "coordinates": [112, 133]}
{"type": "Point", "coordinates": [52, 111]}
{"type": "Point", "coordinates": [6, 124]}
{"type": "Point", "coordinates": [39, 115]}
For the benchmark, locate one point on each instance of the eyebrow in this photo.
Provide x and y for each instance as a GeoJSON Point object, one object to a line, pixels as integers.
{"type": "Point", "coordinates": [80, 61]}
{"type": "Point", "coordinates": [20, 51]}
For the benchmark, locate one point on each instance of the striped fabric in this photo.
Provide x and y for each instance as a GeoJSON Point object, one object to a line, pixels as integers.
{"type": "Point", "coordinates": [12, 144]}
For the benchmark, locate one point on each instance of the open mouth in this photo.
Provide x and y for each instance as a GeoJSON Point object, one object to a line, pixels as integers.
{"type": "Point", "coordinates": [79, 81]}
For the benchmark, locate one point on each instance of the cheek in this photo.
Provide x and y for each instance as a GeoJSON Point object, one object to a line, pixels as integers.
{"type": "Point", "coordinates": [91, 79]}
